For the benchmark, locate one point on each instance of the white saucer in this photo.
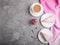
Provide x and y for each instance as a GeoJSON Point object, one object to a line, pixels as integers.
{"type": "Point", "coordinates": [40, 36]}
{"type": "Point", "coordinates": [50, 20]}
{"type": "Point", "coordinates": [36, 14]}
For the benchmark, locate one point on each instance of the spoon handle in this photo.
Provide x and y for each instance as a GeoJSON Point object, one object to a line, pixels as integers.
{"type": "Point", "coordinates": [48, 43]}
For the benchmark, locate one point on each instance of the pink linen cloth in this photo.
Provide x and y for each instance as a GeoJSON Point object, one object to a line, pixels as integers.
{"type": "Point", "coordinates": [53, 6]}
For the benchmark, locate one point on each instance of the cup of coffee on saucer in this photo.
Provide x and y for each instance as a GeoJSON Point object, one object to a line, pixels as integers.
{"type": "Point", "coordinates": [36, 9]}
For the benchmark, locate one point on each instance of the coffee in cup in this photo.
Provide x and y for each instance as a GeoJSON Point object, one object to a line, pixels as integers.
{"type": "Point", "coordinates": [36, 8]}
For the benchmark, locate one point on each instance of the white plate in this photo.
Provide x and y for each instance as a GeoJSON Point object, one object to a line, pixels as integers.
{"type": "Point", "coordinates": [50, 20]}
{"type": "Point", "coordinates": [40, 36]}
{"type": "Point", "coordinates": [36, 14]}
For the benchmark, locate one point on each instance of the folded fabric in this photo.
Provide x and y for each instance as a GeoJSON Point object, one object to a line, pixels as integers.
{"type": "Point", "coordinates": [53, 6]}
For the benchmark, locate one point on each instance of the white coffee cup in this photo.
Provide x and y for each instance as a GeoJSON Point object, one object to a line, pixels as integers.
{"type": "Point", "coordinates": [36, 9]}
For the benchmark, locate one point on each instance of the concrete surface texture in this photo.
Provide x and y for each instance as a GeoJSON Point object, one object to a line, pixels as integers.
{"type": "Point", "coordinates": [15, 28]}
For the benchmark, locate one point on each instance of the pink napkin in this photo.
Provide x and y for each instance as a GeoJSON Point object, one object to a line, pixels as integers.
{"type": "Point", "coordinates": [53, 6]}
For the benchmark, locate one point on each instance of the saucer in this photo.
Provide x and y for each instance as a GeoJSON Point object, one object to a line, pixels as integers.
{"type": "Point", "coordinates": [40, 37]}
{"type": "Point", "coordinates": [47, 20]}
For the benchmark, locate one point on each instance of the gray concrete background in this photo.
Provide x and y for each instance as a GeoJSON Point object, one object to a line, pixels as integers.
{"type": "Point", "coordinates": [15, 28]}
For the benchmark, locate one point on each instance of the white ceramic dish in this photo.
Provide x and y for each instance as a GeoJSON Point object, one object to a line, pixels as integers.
{"type": "Point", "coordinates": [36, 14]}
{"type": "Point", "coordinates": [47, 20]}
{"type": "Point", "coordinates": [41, 39]}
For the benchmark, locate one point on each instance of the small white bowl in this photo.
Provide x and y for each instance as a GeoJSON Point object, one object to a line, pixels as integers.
{"type": "Point", "coordinates": [34, 13]}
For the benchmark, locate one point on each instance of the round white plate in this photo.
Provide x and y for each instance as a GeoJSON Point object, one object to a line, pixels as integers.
{"type": "Point", "coordinates": [47, 20]}
{"type": "Point", "coordinates": [40, 36]}
{"type": "Point", "coordinates": [36, 14]}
